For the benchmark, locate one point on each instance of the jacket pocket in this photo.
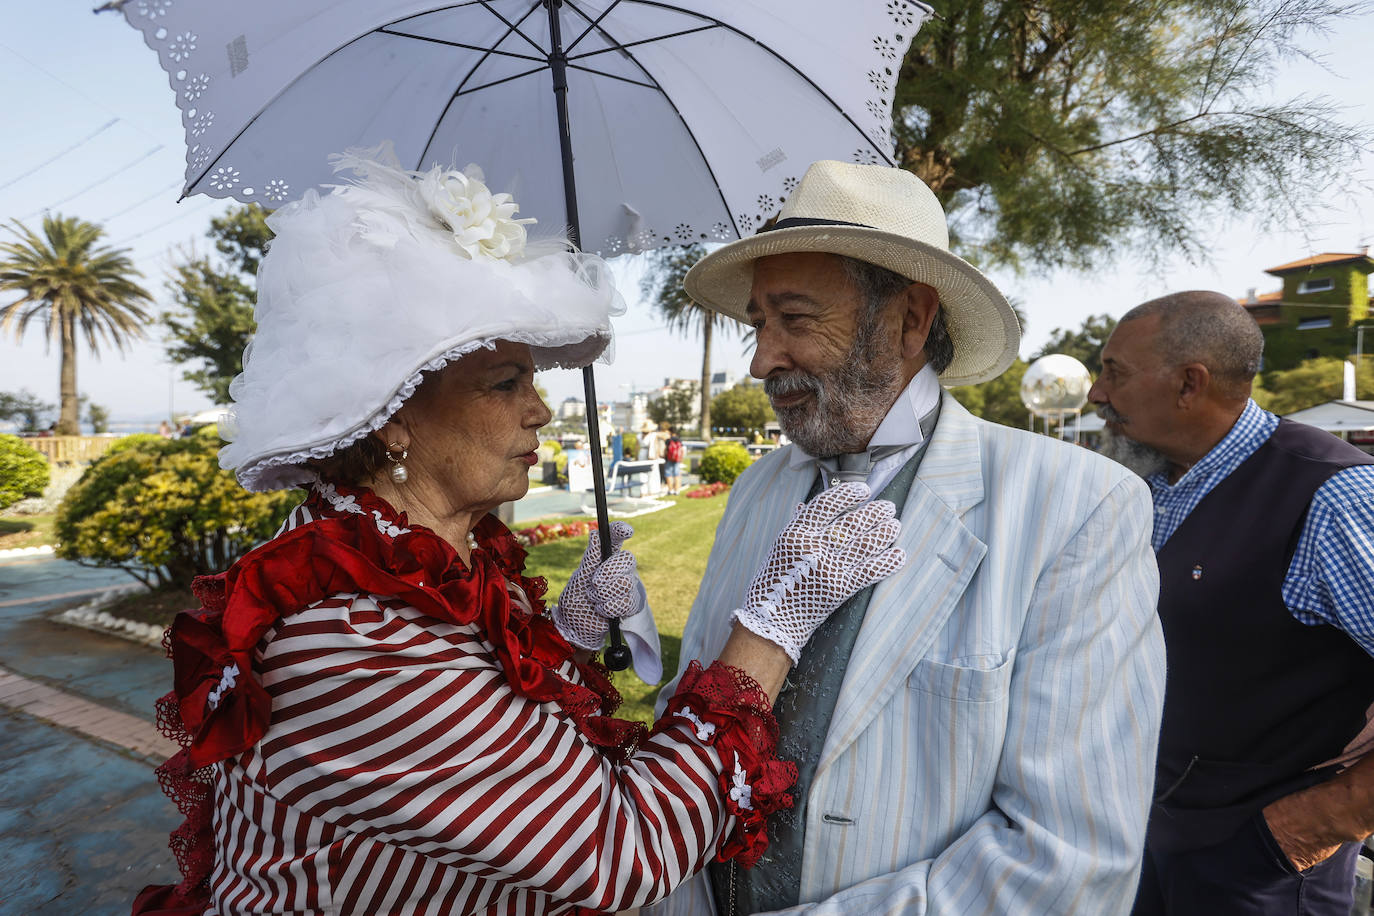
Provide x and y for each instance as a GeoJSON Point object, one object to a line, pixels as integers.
{"type": "Point", "coordinates": [961, 709]}
{"type": "Point", "coordinates": [978, 679]}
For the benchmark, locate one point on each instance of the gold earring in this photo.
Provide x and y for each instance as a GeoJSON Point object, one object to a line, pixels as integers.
{"type": "Point", "coordinates": [396, 453]}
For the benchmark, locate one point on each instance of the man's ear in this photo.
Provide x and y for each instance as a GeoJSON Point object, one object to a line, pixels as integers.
{"type": "Point", "coordinates": [916, 305]}
{"type": "Point", "coordinates": [1195, 382]}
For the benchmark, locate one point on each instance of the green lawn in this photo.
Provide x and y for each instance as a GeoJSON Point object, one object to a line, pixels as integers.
{"type": "Point", "coordinates": [670, 547]}
{"type": "Point", "coordinates": [26, 531]}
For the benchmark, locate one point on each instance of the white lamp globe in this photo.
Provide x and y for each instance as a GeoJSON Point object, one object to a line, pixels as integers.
{"type": "Point", "coordinates": [1055, 384]}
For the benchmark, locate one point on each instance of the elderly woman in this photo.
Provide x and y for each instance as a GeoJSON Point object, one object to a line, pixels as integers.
{"type": "Point", "coordinates": [377, 712]}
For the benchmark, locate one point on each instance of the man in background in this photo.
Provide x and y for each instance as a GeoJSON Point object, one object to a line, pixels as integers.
{"type": "Point", "coordinates": [1264, 530]}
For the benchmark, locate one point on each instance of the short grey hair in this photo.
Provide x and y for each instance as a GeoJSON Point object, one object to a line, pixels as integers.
{"type": "Point", "coordinates": [1201, 326]}
{"type": "Point", "coordinates": [877, 285]}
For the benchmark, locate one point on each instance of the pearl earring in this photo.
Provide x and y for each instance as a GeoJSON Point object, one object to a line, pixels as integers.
{"type": "Point", "coordinates": [395, 453]}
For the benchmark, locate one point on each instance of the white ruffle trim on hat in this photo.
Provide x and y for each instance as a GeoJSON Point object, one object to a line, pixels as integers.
{"type": "Point", "coordinates": [281, 472]}
{"type": "Point", "coordinates": [362, 292]}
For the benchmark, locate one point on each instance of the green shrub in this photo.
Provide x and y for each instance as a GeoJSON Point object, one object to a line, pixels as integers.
{"type": "Point", "coordinates": [722, 462]}
{"type": "Point", "coordinates": [629, 446]}
{"type": "Point", "coordinates": [164, 511]}
{"type": "Point", "coordinates": [23, 471]}
{"type": "Point", "coordinates": [553, 445]}
{"type": "Point", "coordinates": [124, 443]}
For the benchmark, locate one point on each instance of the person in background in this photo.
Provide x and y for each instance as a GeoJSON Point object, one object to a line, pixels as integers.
{"type": "Point", "coordinates": [1264, 530]}
{"type": "Point", "coordinates": [674, 453]}
{"type": "Point", "coordinates": [977, 734]}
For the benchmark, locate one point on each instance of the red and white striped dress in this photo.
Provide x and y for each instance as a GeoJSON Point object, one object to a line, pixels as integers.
{"type": "Point", "coordinates": [401, 774]}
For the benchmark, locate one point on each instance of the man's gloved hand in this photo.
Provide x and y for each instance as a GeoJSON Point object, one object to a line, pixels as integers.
{"type": "Point", "coordinates": [834, 546]}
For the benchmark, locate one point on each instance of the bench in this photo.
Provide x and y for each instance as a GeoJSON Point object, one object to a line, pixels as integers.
{"type": "Point", "coordinates": [633, 480]}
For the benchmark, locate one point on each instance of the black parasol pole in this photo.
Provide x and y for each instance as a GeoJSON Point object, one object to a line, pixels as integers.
{"type": "Point", "coordinates": [617, 657]}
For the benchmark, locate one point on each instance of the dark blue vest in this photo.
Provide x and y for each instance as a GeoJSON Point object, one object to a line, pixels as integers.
{"type": "Point", "coordinates": [1256, 702]}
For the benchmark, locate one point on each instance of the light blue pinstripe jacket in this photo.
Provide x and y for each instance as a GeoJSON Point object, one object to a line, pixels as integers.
{"type": "Point", "coordinates": [993, 744]}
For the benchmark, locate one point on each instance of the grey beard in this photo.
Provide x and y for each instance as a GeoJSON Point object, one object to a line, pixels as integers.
{"type": "Point", "coordinates": [1136, 456]}
{"type": "Point", "coordinates": [848, 402]}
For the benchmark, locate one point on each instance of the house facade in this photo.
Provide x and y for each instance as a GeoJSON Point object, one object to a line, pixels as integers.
{"type": "Point", "coordinates": [1322, 300]}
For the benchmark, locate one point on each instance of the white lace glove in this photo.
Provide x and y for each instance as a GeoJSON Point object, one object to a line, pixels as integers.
{"type": "Point", "coordinates": [600, 591]}
{"type": "Point", "coordinates": [834, 546]}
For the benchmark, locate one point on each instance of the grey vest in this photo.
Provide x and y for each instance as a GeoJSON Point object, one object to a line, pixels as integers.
{"type": "Point", "coordinates": [804, 709]}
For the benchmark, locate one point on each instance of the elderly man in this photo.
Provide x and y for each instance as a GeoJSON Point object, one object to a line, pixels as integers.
{"type": "Point", "coordinates": [976, 734]}
{"type": "Point", "coordinates": [1265, 535]}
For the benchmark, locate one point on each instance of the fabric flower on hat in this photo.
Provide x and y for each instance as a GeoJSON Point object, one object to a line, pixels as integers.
{"type": "Point", "coordinates": [457, 206]}
{"type": "Point", "coordinates": [482, 223]}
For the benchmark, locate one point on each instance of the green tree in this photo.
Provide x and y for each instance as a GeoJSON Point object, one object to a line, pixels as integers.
{"type": "Point", "coordinates": [24, 407]}
{"type": "Point", "coordinates": [1084, 345]}
{"type": "Point", "coordinates": [241, 235]}
{"type": "Point", "coordinates": [1058, 131]}
{"type": "Point", "coordinates": [743, 407]}
{"type": "Point", "coordinates": [1312, 382]}
{"type": "Point", "coordinates": [213, 321]}
{"type": "Point", "coordinates": [662, 285]}
{"type": "Point", "coordinates": [999, 400]}
{"type": "Point", "coordinates": [77, 288]}
{"type": "Point", "coordinates": [212, 326]}
{"type": "Point", "coordinates": [23, 471]}
{"type": "Point", "coordinates": [163, 511]}
{"type": "Point", "coordinates": [99, 418]}
{"type": "Point", "coordinates": [675, 407]}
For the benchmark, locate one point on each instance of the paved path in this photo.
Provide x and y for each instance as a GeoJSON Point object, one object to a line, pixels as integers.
{"type": "Point", "coordinates": [83, 824]}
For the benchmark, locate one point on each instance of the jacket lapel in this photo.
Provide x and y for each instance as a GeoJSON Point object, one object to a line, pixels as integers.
{"type": "Point", "coordinates": [909, 608]}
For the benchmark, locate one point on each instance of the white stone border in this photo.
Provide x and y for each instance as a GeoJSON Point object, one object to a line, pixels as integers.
{"type": "Point", "coordinates": [10, 553]}
{"type": "Point", "coordinates": [91, 617]}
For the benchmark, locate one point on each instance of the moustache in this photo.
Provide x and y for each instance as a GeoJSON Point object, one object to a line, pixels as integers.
{"type": "Point", "coordinates": [794, 382]}
{"type": "Point", "coordinates": [1108, 413]}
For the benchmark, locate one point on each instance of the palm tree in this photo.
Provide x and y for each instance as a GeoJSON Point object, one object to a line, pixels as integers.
{"type": "Point", "coordinates": [662, 285]}
{"type": "Point", "coordinates": [76, 289]}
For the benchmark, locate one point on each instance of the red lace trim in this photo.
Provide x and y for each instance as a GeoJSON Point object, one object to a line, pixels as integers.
{"type": "Point", "coordinates": [745, 735]}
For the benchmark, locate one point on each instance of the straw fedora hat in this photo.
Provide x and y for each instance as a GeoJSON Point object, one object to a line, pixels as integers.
{"type": "Point", "coordinates": [885, 216]}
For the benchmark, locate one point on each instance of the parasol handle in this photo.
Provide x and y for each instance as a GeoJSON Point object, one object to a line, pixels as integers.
{"type": "Point", "coordinates": [617, 657]}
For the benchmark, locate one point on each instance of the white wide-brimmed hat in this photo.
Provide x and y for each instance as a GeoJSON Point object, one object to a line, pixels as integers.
{"type": "Point", "coordinates": [884, 216]}
{"type": "Point", "coordinates": [368, 287]}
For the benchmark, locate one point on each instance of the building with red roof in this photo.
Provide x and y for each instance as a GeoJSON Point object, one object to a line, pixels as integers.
{"type": "Point", "coordinates": [1323, 298]}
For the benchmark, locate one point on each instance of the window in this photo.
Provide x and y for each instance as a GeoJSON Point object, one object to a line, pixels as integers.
{"type": "Point", "coordinates": [1314, 324]}
{"type": "Point", "coordinates": [1316, 286]}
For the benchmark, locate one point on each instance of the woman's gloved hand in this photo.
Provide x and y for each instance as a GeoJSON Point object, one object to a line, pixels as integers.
{"type": "Point", "coordinates": [834, 546]}
{"type": "Point", "coordinates": [598, 592]}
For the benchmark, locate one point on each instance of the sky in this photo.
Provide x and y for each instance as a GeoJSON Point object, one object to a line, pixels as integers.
{"type": "Point", "coordinates": [92, 130]}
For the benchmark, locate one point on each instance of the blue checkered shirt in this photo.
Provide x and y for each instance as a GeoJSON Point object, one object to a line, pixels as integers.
{"type": "Point", "coordinates": [1331, 577]}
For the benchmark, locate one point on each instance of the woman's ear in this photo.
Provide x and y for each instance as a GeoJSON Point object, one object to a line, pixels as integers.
{"type": "Point", "coordinates": [393, 432]}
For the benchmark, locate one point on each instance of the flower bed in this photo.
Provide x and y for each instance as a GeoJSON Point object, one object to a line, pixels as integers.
{"type": "Point", "coordinates": [544, 534]}
{"type": "Point", "coordinates": [706, 491]}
